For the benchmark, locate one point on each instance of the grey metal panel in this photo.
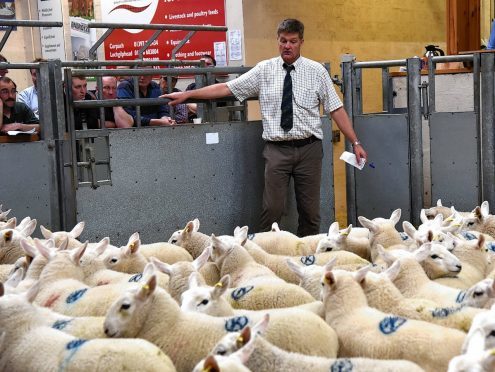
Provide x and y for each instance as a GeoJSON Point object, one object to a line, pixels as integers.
{"type": "Point", "coordinates": [25, 180]}
{"type": "Point", "coordinates": [163, 177]}
{"type": "Point", "coordinates": [454, 159]}
{"type": "Point", "coordinates": [386, 187]}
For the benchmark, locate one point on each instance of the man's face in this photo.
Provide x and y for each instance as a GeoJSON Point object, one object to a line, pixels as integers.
{"type": "Point", "coordinates": [79, 89]}
{"type": "Point", "coordinates": [33, 77]}
{"type": "Point", "coordinates": [144, 81]}
{"type": "Point", "coordinates": [109, 87]}
{"type": "Point", "coordinates": [289, 46]}
{"type": "Point", "coordinates": [208, 61]}
{"type": "Point", "coordinates": [163, 84]}
{"type": "Point", "coordinates": [8, 93]}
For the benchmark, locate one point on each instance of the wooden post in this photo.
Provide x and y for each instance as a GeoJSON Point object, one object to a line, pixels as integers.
{"type": "Point", "coordinates": [463, 26]}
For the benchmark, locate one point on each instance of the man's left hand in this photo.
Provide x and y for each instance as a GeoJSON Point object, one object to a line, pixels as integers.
{"type": "Point", "coordinates": [360, 153]}
{"type": "Point", "coordinates": [13, 126]}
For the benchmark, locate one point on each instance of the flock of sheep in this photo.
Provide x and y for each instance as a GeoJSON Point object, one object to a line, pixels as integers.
{"type": "Point", "coordinates": [355, 299]}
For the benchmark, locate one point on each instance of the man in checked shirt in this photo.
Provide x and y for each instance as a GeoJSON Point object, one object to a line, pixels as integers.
{"type": "Point", "coordinates": [290, 90]}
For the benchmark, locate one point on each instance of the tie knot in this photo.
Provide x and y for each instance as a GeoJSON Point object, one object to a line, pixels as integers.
{"type": "Point", "coordinates": [288, 68]}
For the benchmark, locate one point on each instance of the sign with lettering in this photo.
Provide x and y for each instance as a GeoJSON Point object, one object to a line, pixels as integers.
{"type": "Point", "coordinates": [125, 44]}
{"type": "Point", "coordinates": [52, 38]}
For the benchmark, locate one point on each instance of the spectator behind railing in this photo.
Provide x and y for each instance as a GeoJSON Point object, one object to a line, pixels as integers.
{"type": "Point", "coordinates": [14, 115]}
{"type": "Point", "coordinates": [181, 111]}
{"type": "Point", "coordinates": [29, 96]}
{"type": "Point", "coordinates": [84, 118]}
{"type": "Point", "coordinates": [150, 115]}
{"type": "Point", "coordinates": [115, 117]}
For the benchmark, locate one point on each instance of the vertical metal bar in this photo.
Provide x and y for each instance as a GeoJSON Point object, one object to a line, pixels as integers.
{"type": "Point", "coordinates": [136, 95]}
{"type": "Point", "coordinates": [148, 43]}
{"type": "Point", "coordinates": [385, 89]}
{"type": "Point", "coordinates": [92, 50]}
{"type": "Point", "coordinates": [71, 126]}
{"type": "Point", "coordinates": [348, 91]}
{"type": "Point", "coordinates": [487, 127]}
{"type": "Point", "coordinates": [477, 112]}
{"type": "Point", "coordinates": [358, 91]}
{"type": "Point", "coordinates": [5, 37]}
{"type": "Point", "coordinates": [431, 84]}
{"type": "Point", "coordinates": [415, 139]}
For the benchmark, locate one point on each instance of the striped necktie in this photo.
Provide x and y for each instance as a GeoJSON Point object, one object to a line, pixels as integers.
{"type": "Point", "coordinates": [286, 121]}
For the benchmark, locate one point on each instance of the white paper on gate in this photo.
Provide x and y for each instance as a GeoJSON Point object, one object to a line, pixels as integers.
{"type": "Point", "coordinates": [350, 158]}
{"type": "Point", "coordinates": [16, 132]}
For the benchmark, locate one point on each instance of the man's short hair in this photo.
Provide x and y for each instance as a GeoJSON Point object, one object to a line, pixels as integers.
{"type": "Point", "coordinates": [80, 77]}
{"type": "Point", "coordinates": [7, 80]}
{"type": "Point", "coordinates": [173, 77]}
{"type": "Point", "coordinates": [37, 60]}
{"type": "Point", "coordinates": [210, 57]}
{"type": "Point", "coordinates": [291, 26]}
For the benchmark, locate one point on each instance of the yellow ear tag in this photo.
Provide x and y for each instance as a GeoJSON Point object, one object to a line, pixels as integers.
{"type": "Point", "coordinates": [457, 225]}
{"type": "Point", "coordinates": [207, 369]}
{"type": "Point", "coordinates": [146, 287]}
{"type": "Point", "coordinates": [450, 219]}
{"type": "Point", "coordinates": [219, 284]}
{"type": "Point", "coordinates": [131, 246]}
{"type": "Point", "coordinates": [326, 280]}
{"type": "Point", "coordinates": [492, 352]}
{"type": "Point", "coordinates": [344, 233]}
{"type": "Point", "coordinates": [240, 341]}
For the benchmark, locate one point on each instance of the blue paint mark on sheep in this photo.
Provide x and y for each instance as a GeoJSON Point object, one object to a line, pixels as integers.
{"type": "Point", "coordinates": [72, 347]}
{"type": "Point", "coordinates": [443, 312]}
{"type": "Point", "coordinates": [342, 365]}
{"type": "Point", "coordinates": [74, 344]}
{"type": "Point", "coordinates": [135, 278]}
{"type": "Point", "coordinates": [61, 324]}
{"type": "Point", "coordinates": [391, 324]}
{"type": "Point", "coordinates": [404, 236]}
{"type": "Point", "coordinates": [460, 297]}
{"type": "Point", "coordinates": [251, 236]}
{"type": "Point", "coordinates": [238, 293]}
{"type": "Point", "coordinates": [74, 296]}
{"type": "Point", "coordinates": [468, 236]}
{"type": "Point", "coordinates": [236, 324]}
{"type": "Point", "coordinates": [308, 260]}
{"type": "Point", "coordinates": [490, 246]}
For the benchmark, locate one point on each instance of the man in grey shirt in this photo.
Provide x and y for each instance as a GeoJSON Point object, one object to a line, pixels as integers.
{"type": "Point", "coordinates": [290, 90]}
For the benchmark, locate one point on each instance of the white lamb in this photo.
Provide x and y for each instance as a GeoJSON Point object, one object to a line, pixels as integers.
{"type": "Point", "coordinates": [342, 240]}
{"type": "Point", "coordinates": [59, 236]}
{"type": "Point", "coordinates": [191, 239]}
{"type": "Point", "coordinates": [282, 242]}
{"type": "Point", "coordinates": [365, 331]}
{"type": "Point", "coordinates": [268, 357]}
{"type": "Point", "coordinates": [151, 313]}
{"type": "Point", "coordinates": [28, 345]}
{"type": "Point", "coordinates": [383, 295]}
{"type": "Point", "coordinates": [10, 243]}
{"type": "Point", "coordinates": [481, 295]}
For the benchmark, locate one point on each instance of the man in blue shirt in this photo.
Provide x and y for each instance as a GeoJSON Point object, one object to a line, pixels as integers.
{"type": "Point", "coordinates": [150, 115]}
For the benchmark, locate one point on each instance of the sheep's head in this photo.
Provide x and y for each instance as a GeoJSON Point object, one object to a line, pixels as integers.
{"type": "Point", "coordinates": [3, 215]}
{"type": "Point", "coordinates": [204, 299]}
{"type": "Point", "coordinates": [126, 316]}
{"type": "Point", "coordinates": [479, 294]}
{"type": "Point", "coordinates": [437, 261]}
{"type": "Point", "coordinates": [180, 236]}
{"type": "Point", "coordinates": [335, 239]}
{"type": "Point", "coordinates": [220, 248]}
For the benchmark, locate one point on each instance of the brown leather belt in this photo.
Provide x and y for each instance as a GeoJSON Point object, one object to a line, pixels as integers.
{"type": "Point", "coordinates": [296, 143]}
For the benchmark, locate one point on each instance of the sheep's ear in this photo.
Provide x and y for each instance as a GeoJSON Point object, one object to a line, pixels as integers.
{"type": "Point", "coordinates": [438, 219]}
{"type": "Point", "coordinates": [64, 245]}
{"type": "Point", "coordinates": [102, 246]}
{"type": "Point", "coordinates": [47, 234]}
{"type": "Point", "coordinates": [15, 278]}
{"type": "Point", "coordinates": [422, 252]}
{"type": "Point", "coordinates": [478, 214]}
{"type": "Point", "coordinates": [162, 266]}
{"type": "Point", "coordinates": [33, 292]}
{"type": "Point", "coordinates": [393, 270]}
{"type": "Point", "coordinates": [2, 289]}
{"type": "Point", "coordinates": [333, 229]}
{"type": "Point", "coordinates": [275, 227]}
{"type": "Point", "coordinates": [195, 225]}
{"type": "Point", "coordinates": [194, 280]}
{"type": "Point", "coordinates": [149, 270]}
{"type": "Point", "coordinates": [244, 336]}
{"type": "Point", "coordinates": [386, 255]}
{"type": "Point", "coordinates": [132, 245]}
{"type": "Point", "coordinates": [329, 278]}
{"type": "Point", "coordinates": [241, 234]}
{"type": "Point", "coordinates": [28, 248]}
{"type": "Point", "coordinates": [423, 217]}
{"type": "Point", "coordinates": [360, 275]}
{"type": "Point", "coordinates": [200, 261]}
{"type": "Point", "coordinates": [30, 227]}
{"type": "Point", "coordinates": [481, 242]}
{"type": "Point", "coordinates": [395, 216]}
{"type": "Point", "coordinates": [210, 364]}
{"type": "Point", "coordinates": [77, 230]}
{"type": "Point", "coordinates": [345, 232]}
{"type": "Point", "coordinates": [260, 327]}
{"type": "Point", "coordinates": [44, 251]}
{"type": "Point", "coordinates": [330, 264]}
{"type": "Point", "coordinates": [485, 208]}
{"type": "Point", "coordinates": [221, 286]}
{"type": "Point", "coordinates": [4, 214]}
{"type": "Point", "coordinates": [10, 224]}
{"type": "Point", "coordinates": [147, 289]}
{"type": "Point", "coordinates": [488, 361]}
{"type": "Point", "coordinates": [2, 339]}
{"type": "Point", "coordinates": [298, 270]}
{"type": "Point", "coordinates": [245, 352]}
{"type": "Point", "coordinates": [409, 229]}
{"type": "Point", "coordinates": [429, 236]}
{"type": "Point", "coordinates": [370, 225]}
{"type": "Point", "coordinates": [77, 253]}
{"type": "Point", "coordinates": [439, 203]}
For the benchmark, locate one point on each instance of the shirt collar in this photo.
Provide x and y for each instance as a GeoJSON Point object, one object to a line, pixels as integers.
{"type": "Point", "coordinates": [296, 64]}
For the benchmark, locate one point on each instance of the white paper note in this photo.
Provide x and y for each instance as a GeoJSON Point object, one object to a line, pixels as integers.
{"type": "Point", "coordinates": [211, 138]}
{"type": "Point", "coordinates": [350, 158]}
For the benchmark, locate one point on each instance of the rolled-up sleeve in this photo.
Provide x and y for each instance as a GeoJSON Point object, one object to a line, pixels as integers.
{"type": "Point", "coordinates": [246, 85]}
{"type": "Point", "coordinates": [327, 94]}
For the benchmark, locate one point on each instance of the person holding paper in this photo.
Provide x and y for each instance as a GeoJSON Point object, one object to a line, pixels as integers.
{"type": "Point", "coordinates": [15, 116]}
{"type": "Point", "coordinates": [291, 89]}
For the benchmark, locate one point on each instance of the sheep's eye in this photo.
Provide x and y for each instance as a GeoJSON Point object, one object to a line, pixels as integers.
{"type": "Point", "coordinates": [113, 260]}
{"type": "Point", "coordinates": [470, 223]}
{"type": "Point", "coordinates": [328, 249]}
{"type": "Point", "coordinates": [322, 284]}
{"type": "Point", "coordinates": [434, 256]}
{"type": "Point", "coordinates": [125, 306]}
{"type": "Point", "coordinates": [492, 333]}
{"type": "Point", "coordinates": [204, 302]}
{"type": "Point", "coordinates": [221, 352]}
{"type": "Point", "coordinates": [477, 294]}
{"type": "Point", "coordinates": [174, 241]}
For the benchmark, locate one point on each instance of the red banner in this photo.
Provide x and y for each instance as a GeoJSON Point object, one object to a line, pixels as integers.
{"type": "Point", "coordinates": [125, 44]}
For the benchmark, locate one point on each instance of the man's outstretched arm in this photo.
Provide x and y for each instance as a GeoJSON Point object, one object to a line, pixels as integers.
{"type": "Point", "coordinates": [210, 92]}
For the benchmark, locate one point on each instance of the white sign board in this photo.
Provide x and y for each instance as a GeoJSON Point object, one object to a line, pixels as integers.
{"type": "Point", "coordinates": [52, 38]}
